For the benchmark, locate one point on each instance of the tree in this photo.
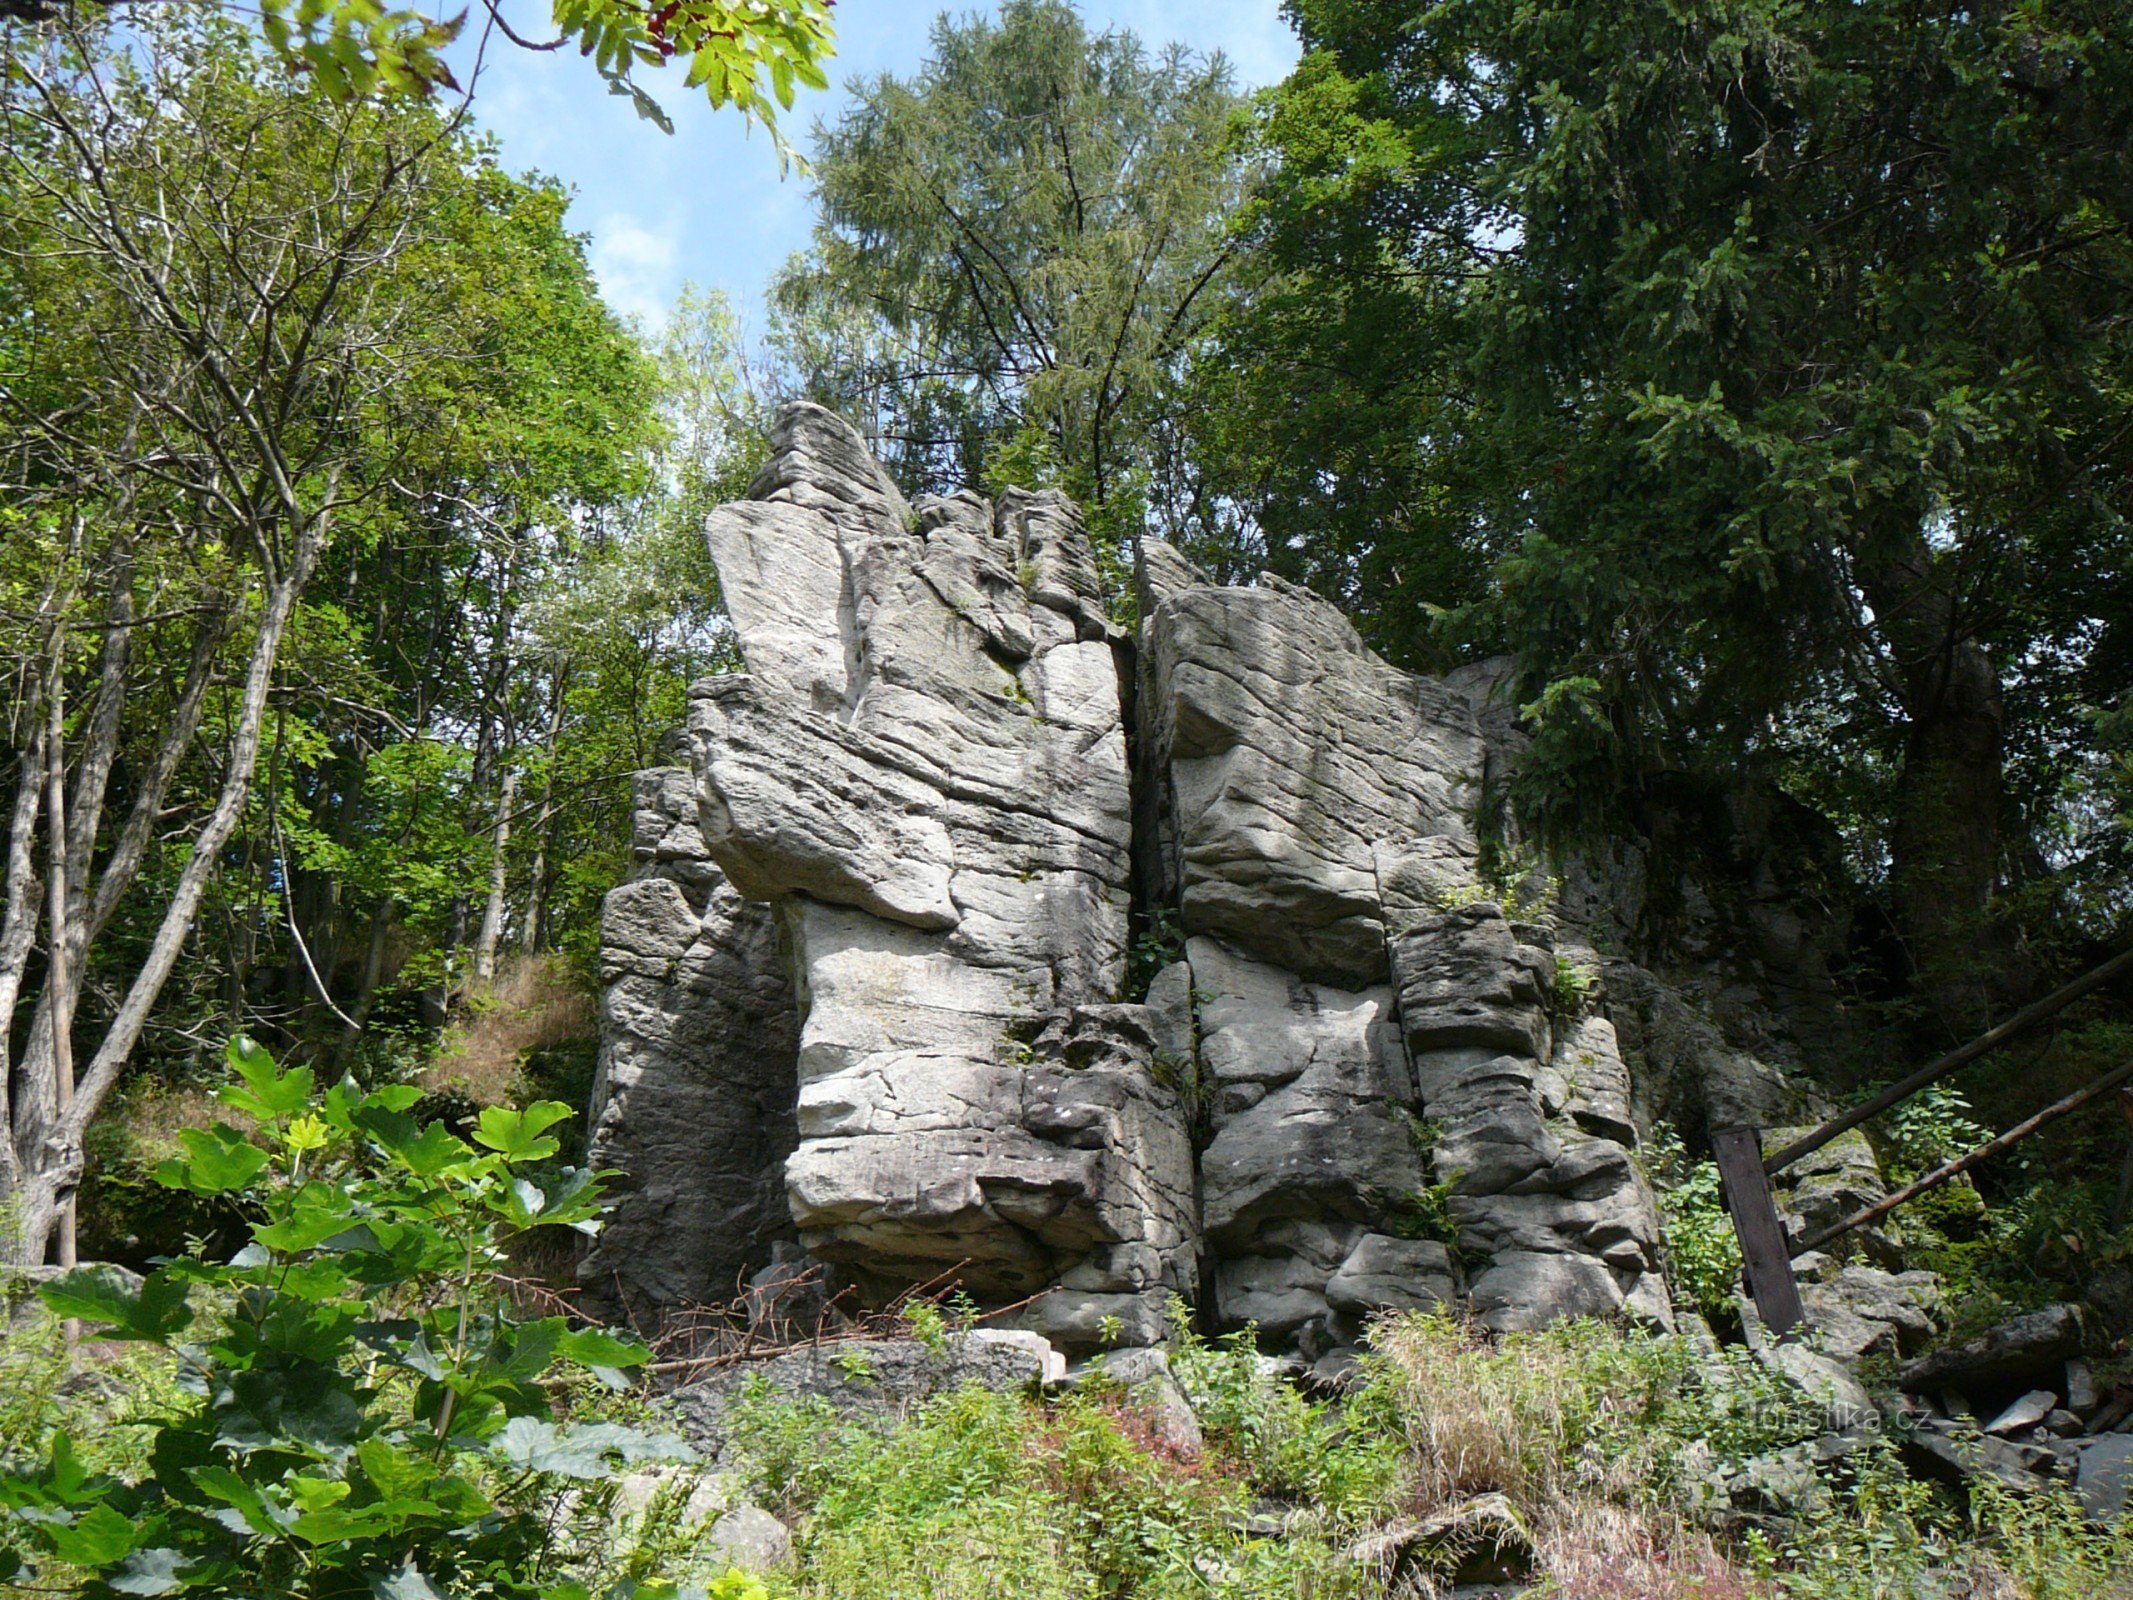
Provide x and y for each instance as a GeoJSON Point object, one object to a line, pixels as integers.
{"type": "Point", "coordinates": [256, 324]}
{"type": "Point", "coordinates": [1757, 372]}
{"type": "Point", "coordinates": [1017, 249]}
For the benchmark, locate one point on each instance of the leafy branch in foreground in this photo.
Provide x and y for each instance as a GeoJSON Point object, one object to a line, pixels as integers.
{"type": "Point", "coordinates": [728, 48]}
{"type": "Point", "coordinates": [364, 1419]}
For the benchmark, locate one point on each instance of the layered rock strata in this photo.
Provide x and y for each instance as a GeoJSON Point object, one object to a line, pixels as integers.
{"type": "Point", "coordinates": [1357, 1084]}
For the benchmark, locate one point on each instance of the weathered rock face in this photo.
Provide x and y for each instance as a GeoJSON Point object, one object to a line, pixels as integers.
{"type": "Point", "coordinates": [694, 1095]}
{"type": "Point", "coordinates": [924, 772]}
{"type": "Point", "coordinates": [921, 787]}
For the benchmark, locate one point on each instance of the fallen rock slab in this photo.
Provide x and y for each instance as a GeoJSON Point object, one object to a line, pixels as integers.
{"type": "Point", "coordinates": [2024, 1352]}
{"type": "Point", "coordinates": [864, 1377]}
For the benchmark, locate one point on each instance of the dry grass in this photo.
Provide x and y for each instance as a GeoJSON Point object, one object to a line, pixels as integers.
{"type": "Point", "coordinates": [533, 1005]}
{"type": "Point", "coordinates": [151, 1121]}
{"type": "Point", "coordinates": [1559, 1436]}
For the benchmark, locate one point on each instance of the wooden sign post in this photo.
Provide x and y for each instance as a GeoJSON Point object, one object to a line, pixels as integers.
{"type": "Point", "coordinates": [1739, 1154]}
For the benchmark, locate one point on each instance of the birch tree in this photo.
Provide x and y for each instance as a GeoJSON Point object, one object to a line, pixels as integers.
{"type": "Point", "coordinates": [225, 363]}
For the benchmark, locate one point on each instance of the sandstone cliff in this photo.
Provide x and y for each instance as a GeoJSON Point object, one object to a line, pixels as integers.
{"type": "Point", "coordinates": [985, 942]}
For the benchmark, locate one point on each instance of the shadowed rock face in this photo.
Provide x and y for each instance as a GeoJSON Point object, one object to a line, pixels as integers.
{"type": "Point", "coordinates": [916, 809]}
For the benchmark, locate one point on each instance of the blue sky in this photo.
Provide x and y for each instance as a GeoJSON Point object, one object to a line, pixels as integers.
{"type": "Point", "coordinates": [707, 204]}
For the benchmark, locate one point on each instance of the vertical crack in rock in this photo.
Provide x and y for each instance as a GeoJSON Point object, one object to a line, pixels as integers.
{"type": "Point", "coordinates": [924, 770]}
{"type": "Point", "coordinates": [920, 785]}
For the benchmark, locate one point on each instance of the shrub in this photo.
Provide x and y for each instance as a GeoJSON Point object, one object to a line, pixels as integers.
{"type": "Point", "coordinates": [358, 1416]}
{"type": "Point", "coordinates": [1703, 1252]}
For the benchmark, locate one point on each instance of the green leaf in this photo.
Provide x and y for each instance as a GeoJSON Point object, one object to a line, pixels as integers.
{"type": "Point", "coordinates": [217, 1160]}
{"type": "Point", "coordinates": [582, 1452]}
{"type": "Point", "coordinates": [269, 1094]}
{"type": "Point", "coordinates": [596, 1347]}
{"type": "Point", "coordinates": [248, 1505]}
{"type": "Point", "coordinates": [96, 1539]}
{"type": "Point", "coordinates": [516, 1135]}
{"type": "Point", "coordinates": [105, 1296]}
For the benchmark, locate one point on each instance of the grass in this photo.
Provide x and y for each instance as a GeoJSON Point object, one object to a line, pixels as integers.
{"type": "Point", "coordinates": [535, 1008]}
{"type": "Point", "coordinates": [1601, 1439]}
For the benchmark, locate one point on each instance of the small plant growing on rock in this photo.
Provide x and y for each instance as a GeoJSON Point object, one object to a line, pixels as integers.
{"type": "Point", "coordinates": [1701, 1246]}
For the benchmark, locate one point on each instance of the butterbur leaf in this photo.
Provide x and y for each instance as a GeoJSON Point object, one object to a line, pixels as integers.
{"type": "Point", "coordinates": [103, 1295]}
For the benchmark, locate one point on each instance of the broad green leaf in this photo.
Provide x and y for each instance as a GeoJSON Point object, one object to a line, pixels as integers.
{"type": "Point", "coordinates": [516, 1135]}
{"type": "Point", "coordinates": [596, 1347]}
{"type": "Point", "coordinates": [103, 1295]}
{"type": "Point", "coordinates": [248, 1505]}
{"type": "Point", "coordinates": [95, 1539]}
{"type": "Point", "coordinates": [217, 1160]}
{"type": "Point", "coordinates": [268, 1093]}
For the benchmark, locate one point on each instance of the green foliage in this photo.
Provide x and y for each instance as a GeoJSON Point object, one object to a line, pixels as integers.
{"type": "Point", "coordinates": [1016, 249]}
{"type": "Point", "coordinates": [978, 1491]}
{"type": "Point", "coordinates": [1426, 1212]}
{"type": "Point", "coordinates": [740, 53]}
{"type": "Point", "coordinates": [1930, 1128]}
{"type": "Point", "coordinates": [1287, 1446]}
{"type": "Point", "coordinates": [356, 1406]}
{"type": "Point", "coordinates": [1890, 1537]}
{"type": "Point", "coordinates": [1712, 359]}
{"type": "Point", "coordinates": [1158, 943]}
{"type": "Point", "coordinates": [1703, 1252]}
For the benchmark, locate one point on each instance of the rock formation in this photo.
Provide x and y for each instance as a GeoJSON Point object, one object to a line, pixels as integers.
{"type": "Point", "coordinates": [869, 989]}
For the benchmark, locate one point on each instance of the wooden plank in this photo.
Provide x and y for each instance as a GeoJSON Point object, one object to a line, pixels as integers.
{"type": "Point", "coordinates": [1984, 1044]}
{"type": "Point", "coordinates": [1961, 1164]}
{"type": "Point", "coordinates": [1739, 1154]}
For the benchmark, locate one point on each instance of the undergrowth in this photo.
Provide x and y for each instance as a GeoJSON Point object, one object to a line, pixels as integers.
{"type": "Point", "coordinates": [1604, 1442]}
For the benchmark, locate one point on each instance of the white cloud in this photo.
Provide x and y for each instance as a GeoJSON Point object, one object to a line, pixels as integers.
{"type": "Point", "coordinates": [638, 266]}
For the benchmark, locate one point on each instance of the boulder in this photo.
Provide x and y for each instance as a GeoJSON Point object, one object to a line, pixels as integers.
{"type": "Point", "coordinates": [865, 1377]}
{"type": "Point", "coordinates": [2103, 1477]}
{"type": "Point", "coordinates": [2020, 1353]}
{"type": "Point", "coordinates": [1384, 1274]}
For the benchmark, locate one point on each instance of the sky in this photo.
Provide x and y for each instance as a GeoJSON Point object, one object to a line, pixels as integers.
{"type": "Point", "coordinates": [706, 204]}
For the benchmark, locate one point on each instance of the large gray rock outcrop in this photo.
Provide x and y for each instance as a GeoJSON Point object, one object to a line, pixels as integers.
{"type": "Point", "coordinates": [913, 811]}
{"type": "Point", "coordinates": [924, 771]}
{"type": "Point", "coordinates": [1307, 809]}
{"type": "Point", "coordinates": [693, 1098]}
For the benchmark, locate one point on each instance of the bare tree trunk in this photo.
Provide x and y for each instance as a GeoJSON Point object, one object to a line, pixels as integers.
{"type": "Point", "coordinates": [18, 932]}
{"type": "Point", "coordinates": [544, 824]}
{"type": "Point", "coordinates": [58, 923]}
{"type": "Point", "coordinates": [381, 922]}
{"type": "Point", "coordinates": [51, 1166]}
{"type": "Point", "coordinates": [492, 912]}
